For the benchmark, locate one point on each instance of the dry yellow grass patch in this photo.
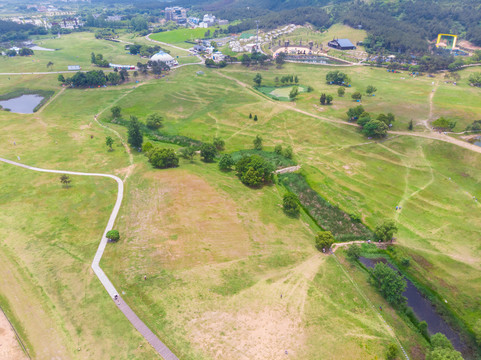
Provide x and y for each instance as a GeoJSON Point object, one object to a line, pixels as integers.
{"type": "Point", "coordinates": [186, 221]}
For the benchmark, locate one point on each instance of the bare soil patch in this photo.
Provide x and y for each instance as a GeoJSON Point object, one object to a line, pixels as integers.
{"type": "Point", "coordinates": [9, 347]}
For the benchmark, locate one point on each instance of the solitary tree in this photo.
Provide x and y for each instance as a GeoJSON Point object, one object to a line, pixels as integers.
{"type": "Point", "coordinates": [280, 60]}
{"type": "Point", "coordinates": [356, 96]}
{"type": "Point", "coordinates": [341, 91]}
{"type": "Point", "coordinates": [250, 115]}
{"type": "Point", "coordinates": [208, 152]}
{"type": "Point", "coordinates": [109, 142]}
{"type": "Point", "coordinates": [324, 240]}
{"type": "Point", "coordinates": [163, 158]}
{"type": "Point", "coordinates": [255, 117]}
{"type": "Point", "coordinates": [65, 180]}
{"type": "Point", "coordinates": [392, 351]}
{"type": "Point", "coordinates": [258, 143]}
{"type": "Point", "coordinates": [370, 90]}
{"type": "Point", "coordinates": [116, 110]}
{"type": "Point", "coordinates": [296, 79]}
{"type": "Point", "coordinates": [135, 137]}
{"type": "Point", "coordinates": [329, 99]}
{"type": "Point", "coordinates": [49, 64]}
{"type": "Point", "coordinates": [411, 125]}
{"type": "Point", "coordinates": [187, 152]}
{"type": "Point", "coordinates": [219, 143]}
{"type": "Point", "coordinates": [323, 99]}
{"type": "Point", "coordinates": [154, 121]}
{"type": "Point", "coordinates": [258, 79]}
{"type": "Point", "coordinates": [113, 235]}
{"type": "Point", "coordinates": [290, 204]}
{"type": "Point", "coordinates": [288, 153]}
{"type": "Point", "coordinates": [61, 78]}
{"type": "Point", "coordinates": [294, 92]}
{"type": "Point", "coordinates": [386, 230]}
{"type": "Point", "coordinates": [226, 162]}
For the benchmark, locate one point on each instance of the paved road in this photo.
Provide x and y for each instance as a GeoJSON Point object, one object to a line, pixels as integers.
{"type": "Point", "coordinates": [158, 345]}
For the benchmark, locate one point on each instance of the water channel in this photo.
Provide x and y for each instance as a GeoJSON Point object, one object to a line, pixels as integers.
{"type": "Point", "coordinates": [423, 308]}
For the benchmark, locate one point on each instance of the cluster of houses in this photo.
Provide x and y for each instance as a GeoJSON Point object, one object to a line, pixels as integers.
{"type": "Point", "coordinates": [68, 22]}
{"type": "Point", "coordinates": [178, 15]}
{"type": "Point", "coordinates": [250, 43]}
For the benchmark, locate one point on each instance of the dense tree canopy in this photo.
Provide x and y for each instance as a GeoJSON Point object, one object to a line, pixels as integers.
{"type": "Point", "coordinates": [254, 170]}
{"type": "Point", "coordinates": [338, 78]}
{"type": "Point", "coordinates": [390, 283]}
{"type": "Point", "coordinates": [163, 158]}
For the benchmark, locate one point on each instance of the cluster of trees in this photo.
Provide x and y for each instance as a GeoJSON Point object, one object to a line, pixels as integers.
{"type": "Point", "coordinates": [212, 64]}
{"type": "Point", "coordinates": [92, 78]}
{"type": "Point", "coordinates": [254, 170]}
{"type": "Point", "coordinates": [444, 124]}
{"type": "Point", "coordinates": [256, 58]}
{"type": "Point", "coordinates": [105, 34]}
{"type": "Point", "coordinates": [326, 99]}
{"type": "Point", "coordinates": [475, 126]}
{"type": "Point", "coordinates": [475, 79]}
{"type": "Point", "coordinates": [288, 79]}
{"type": "Point", "coordinates": [11, 31]}
{"type": "Point", "coordinates": [389, 283]}
{"type": "Point", "coordinates": [98, 59]}
{"type": "Point", "coordinates": [442, 349]}
{"type": "Point", "coordinates": [371, 127]}
{"type": "Point", "coordinates": [144, 50]}
{"type": "Point", "coordinates": [404, 27]}
{"type": "Point", "coordinates": [22, 52]}
{"type": "Point", "coordinates": [337, 77]}
{"type": "Point", "coordinates": [286, 152]}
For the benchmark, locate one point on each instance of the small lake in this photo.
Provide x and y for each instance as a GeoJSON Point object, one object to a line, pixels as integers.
{"type": "Point", "coordinates": [423, 308]}
{"type": "Point", "coordinates": [23, 104]}
{"type": "Point", "coordinates": [477, 141]}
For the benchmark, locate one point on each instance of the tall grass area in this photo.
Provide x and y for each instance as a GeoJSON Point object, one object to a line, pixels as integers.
{"type": "Point", "coordinates": [344, 227]}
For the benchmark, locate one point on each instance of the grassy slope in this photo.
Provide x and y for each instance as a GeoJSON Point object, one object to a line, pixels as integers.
{"type": "Point", "coordinates": [73, 49]}
{"type": "Point", "coordinates": [339, 164]}
{"type": "Point", "coordinates": [51, 234]}
{"type": "Point", "coordinates": [402, 171]}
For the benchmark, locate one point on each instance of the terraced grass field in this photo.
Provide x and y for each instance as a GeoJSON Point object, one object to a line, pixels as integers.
{"type": "Point", "coordinates": [229, 275]}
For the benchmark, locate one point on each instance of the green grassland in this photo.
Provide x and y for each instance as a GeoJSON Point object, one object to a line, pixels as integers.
{"type": "Point", "coordinates": [179, 36]}
{"type": "Point", "coordinates": [72, 49]}
{"type": "Point", "coordinates": [218, 255]}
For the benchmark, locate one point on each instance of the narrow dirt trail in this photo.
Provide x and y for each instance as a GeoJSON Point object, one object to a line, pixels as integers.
{"type": "Point", "coordinates": [406, 197]}
{"type": "Point", "coordinates": [50, 101]}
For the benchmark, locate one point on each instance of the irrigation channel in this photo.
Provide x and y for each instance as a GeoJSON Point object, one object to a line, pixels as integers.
{"type": "Point", "coordinates": [424, 310]}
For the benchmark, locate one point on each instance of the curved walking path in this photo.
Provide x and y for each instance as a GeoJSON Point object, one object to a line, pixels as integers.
{"type": "Point", "coordinates": [158, 345]}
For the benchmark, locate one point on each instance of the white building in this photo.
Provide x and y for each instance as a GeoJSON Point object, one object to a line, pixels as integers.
{"type": "Point", "coordinates": [164, 57]}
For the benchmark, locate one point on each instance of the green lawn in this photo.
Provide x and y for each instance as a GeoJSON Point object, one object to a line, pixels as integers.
{"type": "Point", "coordinates": [72, 49]}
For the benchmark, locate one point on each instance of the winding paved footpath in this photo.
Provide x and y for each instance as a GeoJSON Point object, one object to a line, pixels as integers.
{"type": "Point", "coordinates": [158, 345]}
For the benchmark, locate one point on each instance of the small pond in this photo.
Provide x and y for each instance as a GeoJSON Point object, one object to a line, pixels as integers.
{"type": "Point", "coordinates": [24, 104]}
{"type": "Point", "coordinates": [423, 308]}
{"type": "Point", "coordinates": [477, 141]}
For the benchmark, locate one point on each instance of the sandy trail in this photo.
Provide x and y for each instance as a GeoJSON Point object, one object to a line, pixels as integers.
{"type": "Point", "coordinates": [9, 347]}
